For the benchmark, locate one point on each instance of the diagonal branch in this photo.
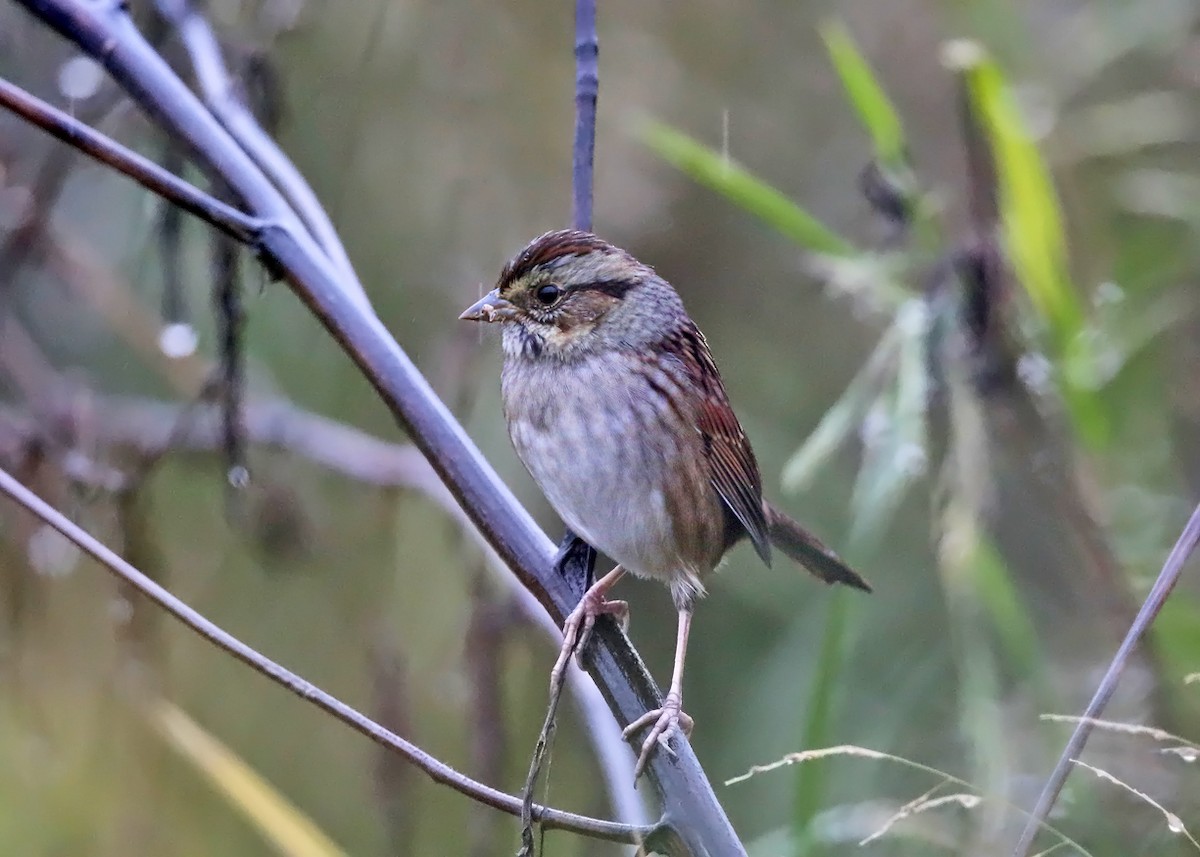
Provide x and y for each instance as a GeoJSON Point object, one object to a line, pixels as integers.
{"type": "Point", "coordinates": [1167, 578]}
{"type": "Point", "coordinates": [145, 172]}
{"type": "Point", "coordinates": [217, 87]}
{"type": "Point", "coordinates": [437, 770]}
{"type": "Point", "coordinates": [105, 31]}
{"type": "Point", "coordinates": [143, 428]}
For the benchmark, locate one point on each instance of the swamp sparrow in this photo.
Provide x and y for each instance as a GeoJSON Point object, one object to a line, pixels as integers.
{"type": "Point", "coordinates": [616, 408]}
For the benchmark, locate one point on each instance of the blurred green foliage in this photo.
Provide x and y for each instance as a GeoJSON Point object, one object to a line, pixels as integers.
{"type": "Point", "coordinates": [910, 372]}
{"type": "Point", "coordinates": [756, 196]}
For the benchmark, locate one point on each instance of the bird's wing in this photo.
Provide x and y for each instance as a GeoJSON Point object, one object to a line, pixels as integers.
{"type": "Point", "coordinates": [732, 468]}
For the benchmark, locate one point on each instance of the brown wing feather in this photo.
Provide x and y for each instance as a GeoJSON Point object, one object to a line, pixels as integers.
{"type": "Point", "coordinates": [734, 472]}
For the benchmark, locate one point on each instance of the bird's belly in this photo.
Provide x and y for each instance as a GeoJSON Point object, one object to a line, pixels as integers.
{"type": "Point", "coordinates": [594, 457]}
{"type": "Point", "coordinates": [615, 505]}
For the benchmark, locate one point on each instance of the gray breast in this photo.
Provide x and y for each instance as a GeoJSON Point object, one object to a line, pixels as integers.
{"type": "Point", "coordinates": [601, 443]}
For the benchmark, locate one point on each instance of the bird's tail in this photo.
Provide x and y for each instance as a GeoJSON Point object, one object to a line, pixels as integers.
{"type": "Point", "coordinates": [806, 549]}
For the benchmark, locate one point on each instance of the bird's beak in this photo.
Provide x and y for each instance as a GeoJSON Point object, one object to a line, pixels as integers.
{"type": "Point", "coordinates": [490, 307]}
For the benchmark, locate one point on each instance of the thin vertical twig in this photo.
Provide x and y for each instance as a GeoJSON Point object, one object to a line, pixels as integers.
{"type": "Point", "coordinates": [1167, 578]}
{"type": "Point", "coordinates": [576, 559]}
{"type": "Point", "coordinates": [170, 243]}
{"type": "Point", "coordinates": [227, 300]}
{"type": "Point", "coordinates": [587, 88]}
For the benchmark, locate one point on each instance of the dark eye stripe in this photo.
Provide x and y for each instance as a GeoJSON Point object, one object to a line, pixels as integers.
{"type": "Point", "coordinates": [612, 288]}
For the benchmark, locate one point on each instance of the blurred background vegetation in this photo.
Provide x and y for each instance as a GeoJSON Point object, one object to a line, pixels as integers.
{"type": "Point", "coordinates": [998, 344]}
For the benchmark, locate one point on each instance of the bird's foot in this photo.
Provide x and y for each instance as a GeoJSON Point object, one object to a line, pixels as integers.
{"type": "Point", "coordinates": [668, 720]}
{"type": "Point", "coordinates": [577, 630]}
{"type": "Point", "coordinates": [583, 619]}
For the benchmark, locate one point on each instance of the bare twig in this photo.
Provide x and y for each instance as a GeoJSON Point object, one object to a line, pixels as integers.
{"type": "Point", "coordinates": [145, 172]}
{"type": "Point", "coordinates": [437, 770]}
{"type": "Point", "coordinates": [1154, 602]}
{"type": "Point", "coordinates": [390, 705]}
{"type": "Point", "coordinates": [573, 551]}
{"type": "Point", "coordinates": [221, 96]}
{"type": "Point", "coordinates": [483, 649]}
{"type": "Point", "coordinates": [545, 740]}
{"type": "Point", "coordinates": [587, 87]}
{"type": "Point", "coordinates": [227, 301]}
{"type": "Point", "coordinates": [144, 429]}
{"type": "Point", "coordinates": [105, 32]}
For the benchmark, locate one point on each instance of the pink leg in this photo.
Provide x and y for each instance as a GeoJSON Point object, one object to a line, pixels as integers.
{"type": "Point", "coordinates": [577, 630]}
{"type": "Point", "coordinates": [670, 718]}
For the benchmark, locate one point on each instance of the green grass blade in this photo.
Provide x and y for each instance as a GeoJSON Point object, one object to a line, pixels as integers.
{"type": "Point", "coordinates": [738, 185]}
{"type": "Point", "coordinates": [999, 599]}
{"type": "Point", "coordinates": [1030, 210]}
{"type": "Point", "coordinates": [868, 98]}
{"type": "Point", "coordinates": [1033, 231]}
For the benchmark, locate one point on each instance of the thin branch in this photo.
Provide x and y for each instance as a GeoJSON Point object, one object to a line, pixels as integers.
{"type": "Point", "coordinates": [145, 429]}
{"type": "Point", "coordinates": [143, 171]}
{"type": "Point", "coordinates": [227, 301]}
{"type": "Point", "coordinates": [437, 770]}
{"type": "Point", "coordinates": [105, 32]}
{"type": "Point", "coordinates": [487, 635]}
{"type": "Point", "coordinates": [576, 559]}
{"type": "Point", "coordinates": [220, 94]}
{"type": "Point", "coordinates": [1154, 602]}
{"type": "Point", "coordinates": [587, 87]}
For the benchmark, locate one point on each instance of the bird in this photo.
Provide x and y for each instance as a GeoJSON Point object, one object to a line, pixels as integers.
{"type": "Point", "coordinates": [615, 406]}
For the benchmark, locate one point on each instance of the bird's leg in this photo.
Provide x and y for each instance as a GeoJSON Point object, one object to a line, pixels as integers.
{"type": "Point", "coordinates": [670, 718]}
{"type": "Point", "coordinates": [577, 630]}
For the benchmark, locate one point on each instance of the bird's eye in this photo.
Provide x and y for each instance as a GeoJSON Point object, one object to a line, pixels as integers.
{"type": "Point", "coordinates": [548, 294]}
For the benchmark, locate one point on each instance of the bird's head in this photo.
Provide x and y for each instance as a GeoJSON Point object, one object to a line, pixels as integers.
{"type": "Point", "coordinates": [569, 294]}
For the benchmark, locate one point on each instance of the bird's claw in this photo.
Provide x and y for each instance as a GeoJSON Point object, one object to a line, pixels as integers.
{"type": "Point", "coordinates": [668, 720]}
{"type": "Point", "coordinates": [619, 610]}
{"type": "Point", "coordinates": [577, 629]}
